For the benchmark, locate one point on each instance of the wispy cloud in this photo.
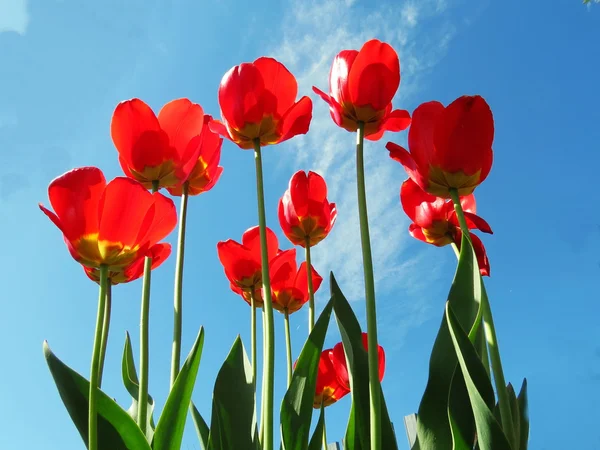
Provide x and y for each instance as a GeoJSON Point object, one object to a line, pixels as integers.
{"type": "Point", "coordinates": [14, 16]}
{"type": "Point", "coordinates": [314, 31]}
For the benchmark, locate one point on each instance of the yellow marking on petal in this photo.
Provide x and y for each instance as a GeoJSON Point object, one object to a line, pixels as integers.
{"type": "Point", "coordinates": [440, 182]}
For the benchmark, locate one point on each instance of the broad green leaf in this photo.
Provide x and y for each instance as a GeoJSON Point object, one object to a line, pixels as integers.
{"type": "Point", "coordinates": [358, 430]}
{"type": "Point", "coordinates": [116, 430]}
{"type": "Point", "coordinates": [169, 430]}
{"type": "Point", "coordinates": [514, 412]}
{"type": "Point", "coordinates": [201, 427]}
{"type": "Point", "coordinates": [523, 417]}
{"type": "Point", "coordinates": [297, 404]}
{"type": "Point", "coordinates": [316, 441]}
{"type": "Point", "coordinates": [481, 393]}
{"type": "Point", "coordinates": [131, 382]}
{"type": "Point", "coordinates": [433, 423]}
{"type": "Point", "coordinates": [233, 421]}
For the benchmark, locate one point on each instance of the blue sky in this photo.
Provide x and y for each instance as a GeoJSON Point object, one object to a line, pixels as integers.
{"type": "Point", "coordinates": [66, 64]}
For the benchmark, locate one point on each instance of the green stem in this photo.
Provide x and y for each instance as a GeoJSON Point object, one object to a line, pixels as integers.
{"type": "Point", "coordinates": [94, 372]}
{"type": "Point", "coordinates": [374, 384]}
{"type": "Point", "coordinates": [311, 290]}
{"type": "Point", "coordinates": [142, 417]}
{"type": "Point", "coordinates": [178, 291]}
{"type": "Point", "coordinates": [105, 328]}
{"type": "Point", "coordinates": [269, 357]}
{"type": "Point", "coordinates": [262, 393]}
{"type": "Point", "coordinates": [490, 335]}
{"type": "Point", "coordinates": [253, 337]}
{"type": "Point", "coordinates": [288, 345]}
{"type": "Point", "coordinates": [324, 431]}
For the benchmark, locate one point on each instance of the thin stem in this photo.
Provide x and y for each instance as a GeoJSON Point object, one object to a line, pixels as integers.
{"type": "Point", "coordinates": [253, 336]}
{"type": "Point", "coordinates": [262, 393]}
{"type": "Point", "coordinates": [105, 328]}
{"type": "Point", "coordinates": [288, 345]}
{"type": "Point", "coordinates": [490, 335]}
{"type": "Point", "coordinates": [311, 290]}
{"type": "Point", "coordinates": [269, 357]}
{"type": "Point", "coordinates": [178, 291]}
{"type": "Point", "coordinates": [94, 372]}
{"type": "Point", "coordinates": [324, 431]}
{"type": "Point", "coordinates": [374, 384]}
{"type": "Point", "coordinates": [142, 417]}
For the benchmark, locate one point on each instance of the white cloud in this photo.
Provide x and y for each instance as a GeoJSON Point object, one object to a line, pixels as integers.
{"type": "Point", "coordinates": [14, 16]}
{"type": "Point", "coordinates": [314, 32]}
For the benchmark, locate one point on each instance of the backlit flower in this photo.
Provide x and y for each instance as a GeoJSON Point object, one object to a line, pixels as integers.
{"type": "Point", "coordinates": [338, 359]}
{"type": "Point", "coordinates": [328, 389]}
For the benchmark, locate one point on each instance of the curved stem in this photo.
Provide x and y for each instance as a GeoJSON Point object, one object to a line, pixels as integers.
{"type": "Point", "coordinates": [374, 384]}
{"type": "Point", "coordinates": [311, 290]}
{"type": "Point", "coordinates": [288, 345]}
{"type": "Point", "coordinates": [253, 337]}
{"type": "Point", "coordinates": [269, 357]}
{"type": "Point", "coordinates": [490, 335]}
{"type": "Point", "coordinates": [142, 418]}
{"type": "Point", "coordinates": [105, 328]}
{"type": "Point", "coordinates": [94, 372]}
{"type": "Point", "coordinates": [178, 291]}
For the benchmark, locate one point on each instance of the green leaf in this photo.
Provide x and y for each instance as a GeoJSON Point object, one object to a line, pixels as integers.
{"type": "Point", "coordinates": [358, 430]}
{"type": "Point", "coordinates": [481, 393]}
{"type": "Point", "coordinates": [116, 430]}
{"type": "Point", "coordinates": [169, 430]}
{"type": "Point", "coordinates": [433, 419]}
{"type": "Point", "coordinates": [297, 404]}
{"type": "Point", "coordinates": [233, 421]}
{"type": "Point", "coordinates": [130, 380]}
{"type": "Point", "coordinates": [523, 416]}
{"type": "Point", "coordinates": [316, 441]}
{"type": "Point", "coordinates": [514, 412]}
{"type": "Point", "coordinates": [201, 426]}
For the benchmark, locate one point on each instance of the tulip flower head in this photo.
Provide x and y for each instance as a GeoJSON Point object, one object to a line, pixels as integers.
{"type": "Point", "coordinates": [242, 262]}
{"type": "Point", "coordinates": [112, 224]}
{"type": "Point", "coordinates": [338, 359]}
{"type": "Point", "coordinates": [159, 254]}
{"type": "Point", "coordinates": [206, 172]}
{"type": "Point", "coordinates": [450, 147]}
{"type": "Point", "coordinates": [435, 222]}
{"type": "Point", "coordinates": [258, 101]}
{"type": "Point", "coordinates": [289, 285]}
{"type": "Point", "coordinates": [161, 150]}
{"type": "Point", "coordinates": [305, 215]}
{"type": "Point", "coordinates": [362, 85]}
{"type": "Point", "coordinates": [328, 388]}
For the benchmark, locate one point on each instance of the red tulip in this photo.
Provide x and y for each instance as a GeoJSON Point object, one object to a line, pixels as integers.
{"type": "Point", "coordinates": [242, 262]}
{"type": "Point", "coordinates": [435, 221]}
{"type": "Point", "coordinates": [161, 149]}
{"type": "Point", "coordinates": [110, 224]}
{"type": "Point", "coordinates": [289, 285]}
{"type": "Point", "coordinates": [206, 171]}
{"type": "Point", "coordinates": [328, 388]}
{"type": "Point", "coordinates": [258, 101]}
{"type": "Point", "coordinates": [159, 254]}
{"type": "Point", "coordinates": [338, 359]}
{"type": "Point", "coordinates": [304, 212]}
{"type": "Point", "coordinates": [450, 147]}
{"type": "Point", "coordinates": [362, 85]}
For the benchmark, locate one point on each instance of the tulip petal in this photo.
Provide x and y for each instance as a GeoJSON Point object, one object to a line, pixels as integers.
{"type": "Point", "coordinates": [421, 133]}
{"type": "Point", "coordinates": [216, 126]}
{"type": "Point", "coordinates": [474, 221]}
{"type": "Point", "coordinates": [164, 219]}
{"type": "Point", "coordinates": [375, 75]}
{"type": "Point", "coordinates": [481, 254]}
{"type": "Point", "coordinates": [241, 96]}
{"type": "Point", "coordinates": [401, 155]}
{"type": "Point", "coordinates": [339, 74]}
{"type": "Point", "coordinates": [380, 355]}
{"type": "Point", "coordinates": [159, 254]}
{"type": "Point", "coordinates": [251, 240]}
{"type": "Point", "coordinates": [282, 269]}
{"type": "Point", "coordinates": [75, 197]}
{"type": "Point", "coordinates": [301, 282]}
{"type": "Point", "coordinates": [125, 211]}
{"type": "Point", "coordinates": [334, 107]}
{"type": "Point", "coordinates": [468, 203]}
{"type": "Point", "coordinates": [422, 208]}
{"type": "Point", "coordinates": [238, 261]}
{"type": "Point", "coordinates": [296, 120]}
{"type": "Point", "coordinates": [417, 232]}
{"type": "Point", "coordinates": [280, 85]}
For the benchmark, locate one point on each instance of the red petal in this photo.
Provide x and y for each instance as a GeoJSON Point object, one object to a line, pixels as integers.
{"type": "Point", "coordinates": [468, 204]}
{"type": "Point", "coordinates": [296, 120]}
{"type": "Point", "coordinates": [417, 232]}
{"type": "Point", "coordinates": [398, 120]}
{"type": "Point", "coordinates": [282, 269]}
{"type": "Point", "coordinates": [400, 154]}
{"type": "Point", "coordinates": [422, 208]}
{"type": "Point", "coordinates": [380, 355]}
{"type": "Point", "coordinates": [375, 75]}
{"type": "Point", "coordinates": [301, 282]}
{"type": "Point", "coordinates": [75, 197]}
{"type": "Point", "coordinates": [124, 210]}
{"type": "Point", "coordinates": [279, 83]}
{"type": "Point", "coordinates": [481, 254]}
{"type": "Point", "coordinates": [474, 221]}
{"type": "Point", "coordinates": [334, 107]}
{"type": "Point", "coordinates": [159, 254]}
{"type": "Point", "coordinates": [420, 135]}
{"type": "Point", "coordinates": [164, 219]}
{"type": "Point", "coordinates": [183, 122]}
{"type": "Point", "coordinates": [338, 360]}
{"type": "Point", "coordinates": [299, 193]}
{"type": "Point", "coordinates": [241, 96]}
{"type": "Point", "coordinates": [463, 138]}
{"type": "Point", "coordinates": [251, 240]}
{"type": "Point", "coordinates": [136, 133]}
{"type": "Point", "coordinates": [338, 76]}
{"type": "Point", "coordinates": [216, 126]}
{"type": "Point", "coordinates": [237, 260]}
